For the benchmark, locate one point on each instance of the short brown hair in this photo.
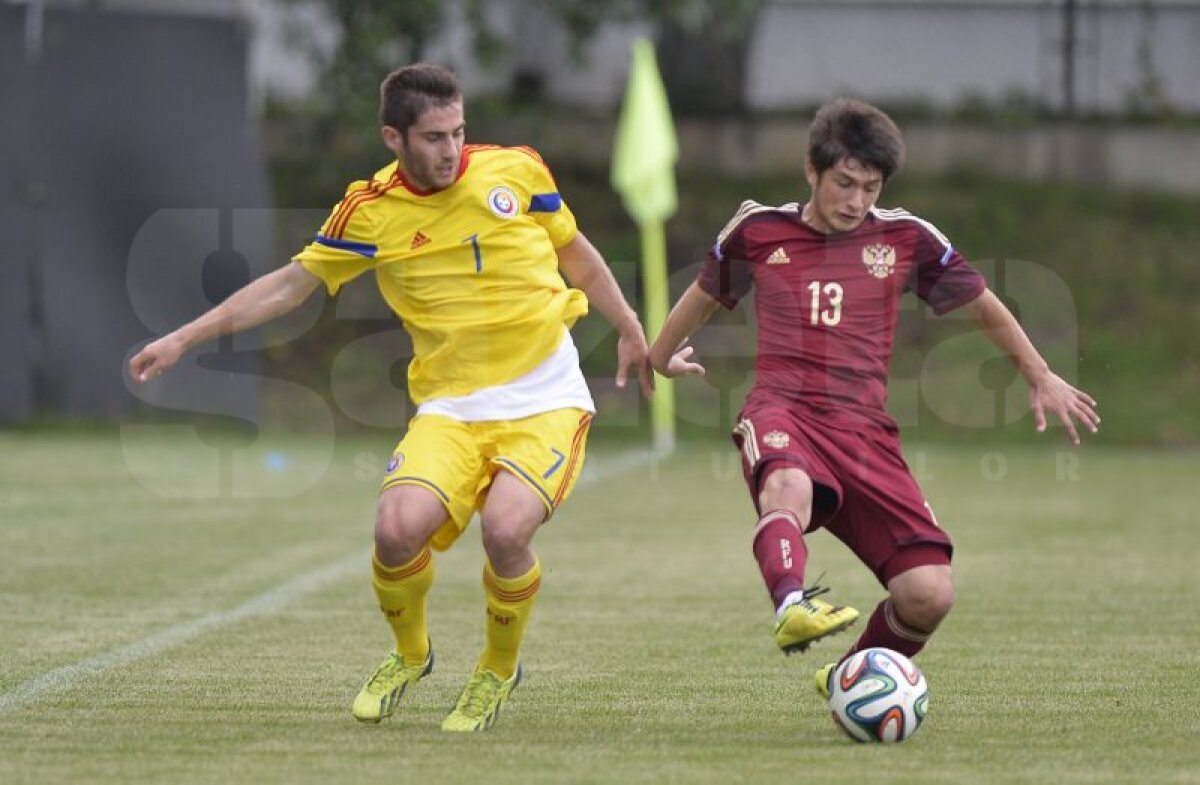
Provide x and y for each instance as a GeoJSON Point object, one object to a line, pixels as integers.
{"type": "Point", "coordinates": [848, 128]}
{"type": "Point", "coordinates": [409, 92]}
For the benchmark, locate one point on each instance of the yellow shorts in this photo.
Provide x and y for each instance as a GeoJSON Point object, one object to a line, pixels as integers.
{"type": "Point", "coordinates": [457, 461]}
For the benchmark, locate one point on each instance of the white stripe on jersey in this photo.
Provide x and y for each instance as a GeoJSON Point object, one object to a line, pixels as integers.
{"type": "Point", "coordinates": [900, 214]}
{"type": "Point", "coordinates": [748, 208]}
{"type": "Point", "coordinates": [745, 428]}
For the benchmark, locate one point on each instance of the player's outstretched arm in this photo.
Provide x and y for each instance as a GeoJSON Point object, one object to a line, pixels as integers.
{"type": "Point", "coordinates": [586, 270]}
{"type": "Point", "coordinates": [668, 355]}
{"type": "Point", "coordinates": [259, 301]}
{"type": "Point", "coordinates": [1048, 392]}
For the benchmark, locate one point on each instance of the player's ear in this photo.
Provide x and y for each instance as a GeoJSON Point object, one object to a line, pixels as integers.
{"type": "Point", "coordinates": [392, 138]}
{"type": "Point", "coordinates": [810, 173]}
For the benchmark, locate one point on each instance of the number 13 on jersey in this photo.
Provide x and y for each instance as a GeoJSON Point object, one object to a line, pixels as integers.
{"type": "Point", "coordinates": [826, 307]}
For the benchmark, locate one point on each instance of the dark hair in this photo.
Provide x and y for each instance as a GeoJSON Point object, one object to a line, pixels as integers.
{"type": "Point", "coordinates": [848, 128]}
{"type": "Point", "coordinates": [409, 92]}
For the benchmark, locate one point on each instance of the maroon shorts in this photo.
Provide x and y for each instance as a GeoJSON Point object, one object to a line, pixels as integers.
{"type": "Point", "coordinates": [863, 491]}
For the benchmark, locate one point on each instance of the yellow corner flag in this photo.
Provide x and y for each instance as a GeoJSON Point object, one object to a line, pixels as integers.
{"type": "Point", "coordinates": [645, 152]}
{"type": "Point", "coordinates": [643, 173]}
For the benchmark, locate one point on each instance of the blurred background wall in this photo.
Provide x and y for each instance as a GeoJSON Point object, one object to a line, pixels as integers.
{"type": "Point", "coordinates": [115, 125]}
{"type": "Point", "coordinates": [1080, 55]}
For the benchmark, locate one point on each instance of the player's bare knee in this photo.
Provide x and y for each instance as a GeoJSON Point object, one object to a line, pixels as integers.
{"type": "Point", "coordinates": [787, 489]}
{"type": "Point", "coordinates": [397, 538]}
{"type": "Point", "coordinates": [504, 538]}
{"type": "Point", "coordinates": [393, 545]}
{"type": "Point", "coordinates": [925, 603]}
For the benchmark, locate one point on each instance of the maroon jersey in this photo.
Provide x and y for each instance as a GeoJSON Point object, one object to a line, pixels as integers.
{"type": "Point", "coordinates": [827, 304]}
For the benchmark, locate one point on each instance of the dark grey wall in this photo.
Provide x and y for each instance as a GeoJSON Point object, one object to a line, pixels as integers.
{"type": "Point", "coordinates": [17, 336]}
{"type": "Point", "coordinates": [136, 122]}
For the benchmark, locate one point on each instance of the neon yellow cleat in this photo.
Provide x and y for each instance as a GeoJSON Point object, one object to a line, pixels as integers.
{"type": "Point", "coordinates": [821, 679]}
{"type": "Point", "coordinates": [381, 694]}
{"type": "Point", "coordinates": [809, 620]}
{"type": "Point", "coordinates": [479, 704]}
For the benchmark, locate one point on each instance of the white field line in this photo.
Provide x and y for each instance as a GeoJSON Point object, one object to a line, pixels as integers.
{"type": "Point", "coordinates": [269, 601]}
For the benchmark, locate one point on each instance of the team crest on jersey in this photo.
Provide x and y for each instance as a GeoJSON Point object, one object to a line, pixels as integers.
{"type": "Point", "coordinates": [395, 462]}
{"type": "Point", "coordinates": [776, 439]}
{"type": "Point", "coordinates": [880, 259]}
{"type": "Point", "coordinates": [503, 201]}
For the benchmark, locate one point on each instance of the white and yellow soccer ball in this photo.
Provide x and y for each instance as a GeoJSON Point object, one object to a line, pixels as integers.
{"type": "Point", "coordinates": [878, 695]}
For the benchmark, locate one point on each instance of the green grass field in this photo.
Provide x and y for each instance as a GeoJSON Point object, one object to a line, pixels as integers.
{"type": "Point", "coordinates": [218, 636]}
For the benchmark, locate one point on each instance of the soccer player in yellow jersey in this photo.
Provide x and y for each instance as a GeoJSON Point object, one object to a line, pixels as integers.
{"type": "Point", "coordinates": [466, 243]}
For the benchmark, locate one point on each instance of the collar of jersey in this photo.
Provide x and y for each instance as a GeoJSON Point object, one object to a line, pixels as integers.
{"type": "Point", "coordinates": [463, 159]}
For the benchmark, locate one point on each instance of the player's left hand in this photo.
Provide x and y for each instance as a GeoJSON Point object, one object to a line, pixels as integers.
{"type": "Point", "coordinates": [632, 352]}
{"type": "Point", "coordinates": [1052, 394]}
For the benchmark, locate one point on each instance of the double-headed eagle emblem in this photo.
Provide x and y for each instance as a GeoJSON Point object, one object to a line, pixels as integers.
{"type": "Point", "coordinates": [880, 259]}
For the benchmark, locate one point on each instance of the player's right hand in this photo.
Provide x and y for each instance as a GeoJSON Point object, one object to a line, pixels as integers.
{"type": "Point", "coordinates": [679, 365]}
{"type": "Point", "coordinates": [155, 357]}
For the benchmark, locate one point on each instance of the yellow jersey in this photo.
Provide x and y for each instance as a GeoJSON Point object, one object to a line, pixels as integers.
{"type": "Point", "coordinates": [471, 270]}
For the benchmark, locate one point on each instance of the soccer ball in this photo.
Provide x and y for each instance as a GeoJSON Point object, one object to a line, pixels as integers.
{"type": "Point", "coordinates": [878, 695]}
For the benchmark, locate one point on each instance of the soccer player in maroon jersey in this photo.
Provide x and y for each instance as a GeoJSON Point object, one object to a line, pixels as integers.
{"type": "Point", "coordinates": [817, 445]}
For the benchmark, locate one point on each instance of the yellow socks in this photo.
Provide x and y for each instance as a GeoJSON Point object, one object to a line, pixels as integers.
{"type": "Point", "coordinates": [401, 592]}
{"type": "Point", "coordinates": [509, 605]}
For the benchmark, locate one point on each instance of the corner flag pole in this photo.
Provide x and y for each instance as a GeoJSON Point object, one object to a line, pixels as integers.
{"type": "Point", "coordinates": [644, 156]}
